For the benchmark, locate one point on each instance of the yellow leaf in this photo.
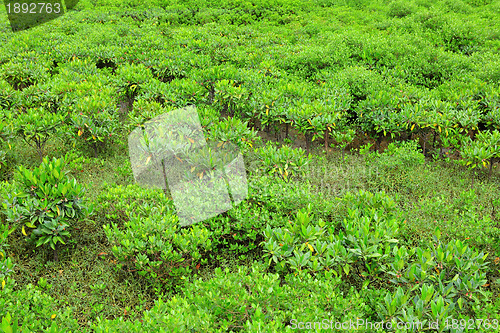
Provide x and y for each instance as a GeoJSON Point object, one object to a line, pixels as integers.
{"type": "Point", "coordinates": [201, 174]}
{"type": "Point", "coordinates": [80, 132]}
{"type": "Point", "coordinates": [3, 284]}
{"type": "Point", "coordinates": [484, 163]}
{"type": "Point", "coordinates": [1, 253]}
{"type": "Point", "coordinates": [24, 231]}
{"type": "Point", "coordinates": [191, 140]}
{"type": "Point", "coordinates": [384, 133]}
{"type": "Point", "coordinates": [192, 169]}
{"type": "Point", "coordinates": [439, 127]}
{"type": "Point", "coordinates": [93, 137]}
{"type": "Point", "coordinates": [310, 247]}
{"type": "Point", "coordinates": [10, 146]}
{"type": "Point", "coordinates": [178, 159]}
{"type": "Point", "coordinates": [267, 112]}
{"type": "Point", "coordinates": [309, 121]}
{"type": "Point", "coordinates": [219, 144]}
{"type": "Point", "coordinates": [58, 211]}
{"type": "Point", "coordinates": [148, 159]}
{"type": "Point", "coordinates": [412, 127]}
{"type": "Point", "coordinates": [53, 316]}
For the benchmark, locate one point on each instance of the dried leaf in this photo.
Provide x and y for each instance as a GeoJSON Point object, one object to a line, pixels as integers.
{"type": "Point", "coordinates": [310, 247]}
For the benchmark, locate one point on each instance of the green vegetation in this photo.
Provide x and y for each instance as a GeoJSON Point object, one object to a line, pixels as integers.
{"type": "Point", "coordinates": [370, 131]}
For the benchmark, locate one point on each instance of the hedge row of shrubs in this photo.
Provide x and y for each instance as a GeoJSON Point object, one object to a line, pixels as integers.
{"type": "Point", "coordinates": [314, 261]}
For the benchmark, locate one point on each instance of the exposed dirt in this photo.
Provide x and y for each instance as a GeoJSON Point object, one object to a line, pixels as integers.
{"type": "Point", "coordinates": [299, 141]}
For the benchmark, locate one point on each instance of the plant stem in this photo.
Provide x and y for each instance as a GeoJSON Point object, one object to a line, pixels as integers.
{"type": "Point", "coordinates": [327, 133]}
{"type": "Point", "coordinates": [491, 169]}
{"type": "Point", "coordinates": [40, 154]}
{"type": "Point", "coordinates": [165, 190]}
{"type": "Point", "coordinates": [308, 143]}
{"type": "Point", "coordinates": [425, 139]}
{"type": "Point", "coordinates": [56, 257]}
{"type": "Point", "coordinates": [378, 142]}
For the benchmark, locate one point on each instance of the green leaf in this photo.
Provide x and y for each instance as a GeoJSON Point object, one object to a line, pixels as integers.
{"type": "Point", "coordinates": [57, 238]}
{"type": "Point", "coordinates": [437, 232]}
{"type": "Point", "coordinates": [460, 303]}
{"type": "Point", "coordinates": [6, 323]}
